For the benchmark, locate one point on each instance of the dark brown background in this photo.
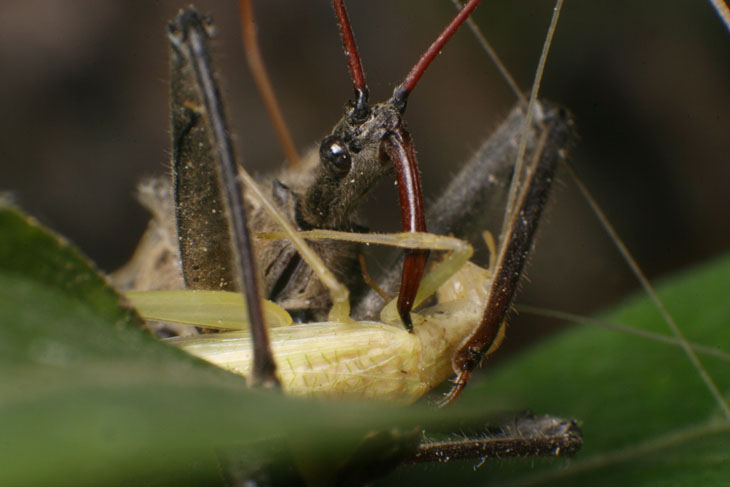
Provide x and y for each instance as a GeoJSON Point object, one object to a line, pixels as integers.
{"type": "Point", "coordinates": [83, 109]}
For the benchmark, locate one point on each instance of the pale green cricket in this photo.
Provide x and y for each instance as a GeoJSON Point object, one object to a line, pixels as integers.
{"type": "Point", "coordinates": [341, 358]}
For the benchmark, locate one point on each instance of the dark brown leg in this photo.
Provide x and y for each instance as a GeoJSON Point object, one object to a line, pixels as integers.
{"type": "Point", "coordinates": [215, 243]}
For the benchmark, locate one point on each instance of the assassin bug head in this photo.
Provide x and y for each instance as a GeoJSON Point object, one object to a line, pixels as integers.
{"type": "Point", "coordinates": [366, 144]}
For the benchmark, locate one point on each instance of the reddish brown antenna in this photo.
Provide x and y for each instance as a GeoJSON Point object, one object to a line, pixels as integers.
{"type": "Point", "coordinates": [400, 95]}
{"type": "Point", "coordinates": [353, 59]}
{"type": "Point", "coordinates": [263, 83]}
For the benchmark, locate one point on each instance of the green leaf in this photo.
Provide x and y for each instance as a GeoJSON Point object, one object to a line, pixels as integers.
{"type": "Point", "coordinates": [87, 397]}
{"type": "Point", "coordinates": [648, 418]}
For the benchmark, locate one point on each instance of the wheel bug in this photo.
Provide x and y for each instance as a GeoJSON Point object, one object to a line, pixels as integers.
{"type": "Point", "coordinates": [569, 74]}
{"type": "Point", "coordinates": [205, 247]}
{"type": "Point", "coordinates": [403, 367]}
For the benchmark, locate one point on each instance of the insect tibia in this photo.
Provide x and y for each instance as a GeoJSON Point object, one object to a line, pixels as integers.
{"type": "Point", "coordinates": [526, 436]}
{"type": "Point", "coordinates": [213, 230]}
{"type": "Point", "coordinates": [556, 132]}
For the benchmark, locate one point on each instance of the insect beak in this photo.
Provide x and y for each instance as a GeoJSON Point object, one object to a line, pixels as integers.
{"type": "Point", "coordinates": [398, 147]}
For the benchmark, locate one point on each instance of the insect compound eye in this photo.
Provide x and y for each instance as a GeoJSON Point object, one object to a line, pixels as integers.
{"type": "Point", "coordinates": [335, 156]}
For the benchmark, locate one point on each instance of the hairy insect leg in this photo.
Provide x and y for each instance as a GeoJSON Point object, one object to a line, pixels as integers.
{"type": "Point", "coordinates": [516, 242]}
{"type": "Point", "coordinates": [525, 436]}
{"type": "Point", "coordinates": [211, 217]}
{"type": "Point", "coordinates": [380, 453]}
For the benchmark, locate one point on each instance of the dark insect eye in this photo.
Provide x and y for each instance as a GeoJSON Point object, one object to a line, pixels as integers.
{"type": "Point", "coordinates": [335, 156]}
